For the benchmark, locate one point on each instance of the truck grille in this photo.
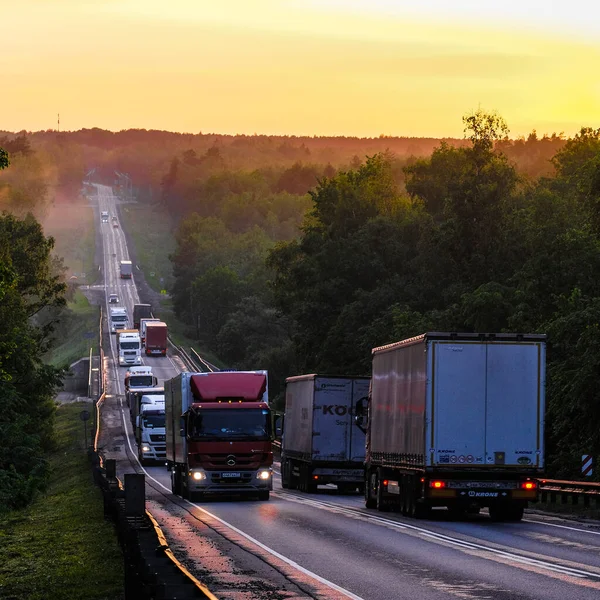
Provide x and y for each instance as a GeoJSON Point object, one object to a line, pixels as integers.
{"type": "Point", "coordinates": [157, 438]}
{"type": "Point", "coordinates": [241, 461]}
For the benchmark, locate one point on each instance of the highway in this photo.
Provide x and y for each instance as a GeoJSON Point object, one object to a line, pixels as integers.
{"type": "Point", "coordinates": [327, 545]}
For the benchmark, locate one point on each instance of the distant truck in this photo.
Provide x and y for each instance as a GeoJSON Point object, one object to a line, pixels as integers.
{"type": "Point", "coordinates": [456, 420]}
{"type": "Point", "coordinates": [126, 269]}
{"type": "Point", "coordinates": [321, 442]}
{"type": "Point", "coordinates": [118, 318]}
{"type": "Point", "coordinates": [129, 347]}
{"type": "Point", "coordinates": [156, 338]}
{"type": "Point", "coordinates": [143, 324]}
{"type": "Point", "coordinates": [141, 311]}
{"type": "Point", "coordinates": [150, 429]}
{"type": "Point", "coordinates": [218, 428]}
{"type": "Point", "coordinates": [134, 399]}
{"type": "Point", "coordinates": [104, 216]}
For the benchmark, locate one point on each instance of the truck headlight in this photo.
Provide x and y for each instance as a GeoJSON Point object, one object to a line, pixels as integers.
{"type": "Point", "coordinates": [145, 448]}
{"type": "Point", "coordinates": [263, 474]}
{"type": "Point", "coordinates": [198, 475]}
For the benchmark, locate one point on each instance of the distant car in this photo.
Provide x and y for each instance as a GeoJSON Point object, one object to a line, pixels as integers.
{"type": "Point", "coordinates": [115, 224]}
{"type": "Point", "coordinates": [113, 299]}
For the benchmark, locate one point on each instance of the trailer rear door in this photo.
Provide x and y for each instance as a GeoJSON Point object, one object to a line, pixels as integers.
{"type": "Point", "coordinates": [458, 406]}
{"type": "Point", "coordinates": [514, 434]}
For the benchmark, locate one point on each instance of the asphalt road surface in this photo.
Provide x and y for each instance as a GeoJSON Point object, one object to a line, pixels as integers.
{"type": "Point", "coordinates": [327, 545]}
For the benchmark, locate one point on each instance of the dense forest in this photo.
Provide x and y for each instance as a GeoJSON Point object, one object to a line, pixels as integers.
{"type": "Point", "coordinates": [301, 254]}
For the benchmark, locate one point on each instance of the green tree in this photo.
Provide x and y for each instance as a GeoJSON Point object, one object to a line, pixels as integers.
{"type": "Point", "coordinates": [27, 386]}
{"type": "Point", "coordinates": [4, 160]}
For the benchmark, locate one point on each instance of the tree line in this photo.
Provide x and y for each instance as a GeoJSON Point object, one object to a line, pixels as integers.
{"type": "Point", "coordinates": [463, 241]}
{"type": "Point", "coordinates": [32, 295]}
{"type": "Point", "coordinates": [297, 255]}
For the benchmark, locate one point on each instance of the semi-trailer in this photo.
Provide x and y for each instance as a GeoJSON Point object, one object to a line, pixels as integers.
{"type": "Point", "coordinates": [456, 420]}
{"type": "Point", "coordinates": [218, 429]}
{"type": "Point", "coordinates": [143, 323]}
{"type": "Point", "coordinates": [321, 442]}
{"type": "Point", "coordinates": [155, 340]}
{"type": "Point", "coordinates": [126, 269]}
{"type": "Point", "coordinates": [141, 311]}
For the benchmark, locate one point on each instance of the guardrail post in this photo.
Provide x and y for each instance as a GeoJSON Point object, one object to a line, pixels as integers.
{"type": "Point", "coordinates": [110, 467]}
{"type": "Point", "coordinates": [135, 495]}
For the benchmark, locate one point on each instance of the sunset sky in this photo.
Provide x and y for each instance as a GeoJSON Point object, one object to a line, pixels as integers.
{"type": "Point", "coordinates": [306, 67]}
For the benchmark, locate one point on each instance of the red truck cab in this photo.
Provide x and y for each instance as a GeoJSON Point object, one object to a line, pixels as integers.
{"type": "Point", "coordinates": [219, 438]}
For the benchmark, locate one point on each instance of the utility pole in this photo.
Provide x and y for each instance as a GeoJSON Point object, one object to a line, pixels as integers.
{"type": "Point", "coordinates": [59, 122]}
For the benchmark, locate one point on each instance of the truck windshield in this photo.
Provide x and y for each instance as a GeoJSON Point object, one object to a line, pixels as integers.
{"type": "Point", "coordinates": [130, 345]}
{"type": "Point", "coordinates": [153, 421]}
{"type": "Point", "coordinates": [254, 424]}
{"type": "Point", "coordinates": [140, 381]}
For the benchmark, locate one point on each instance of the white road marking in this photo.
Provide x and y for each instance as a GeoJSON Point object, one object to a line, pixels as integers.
{"type": "Point", "coordinates": [573, 572]}
{"type": "Point", "coordinates": [562, 526]}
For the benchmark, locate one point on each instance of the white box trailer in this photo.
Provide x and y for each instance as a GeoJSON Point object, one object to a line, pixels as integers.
{"type": "Point", "coordinates": [126, 269]}
{"type": "Point", "coordinates": [457, 420]}
{"type": "Point", "coordinates": [321, 443]}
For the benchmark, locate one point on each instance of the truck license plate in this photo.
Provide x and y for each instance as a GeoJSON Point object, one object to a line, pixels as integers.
{"type": "Point", "coordinates": [231, 475]}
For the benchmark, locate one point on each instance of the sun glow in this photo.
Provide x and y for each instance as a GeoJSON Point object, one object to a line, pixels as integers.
{"type": "Point", "coordinates": [322, 67]}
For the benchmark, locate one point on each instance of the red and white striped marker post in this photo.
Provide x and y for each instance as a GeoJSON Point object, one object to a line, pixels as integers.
{"type": "Point", "coordinates": [586, 465]}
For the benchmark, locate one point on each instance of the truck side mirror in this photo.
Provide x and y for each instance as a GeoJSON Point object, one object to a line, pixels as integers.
{"type": "Point", "coordinates": [361, 412]}
{"type": "Point", "coordinates": [279, 426]}
{"type": "Point", "coordinates": [137, 421]}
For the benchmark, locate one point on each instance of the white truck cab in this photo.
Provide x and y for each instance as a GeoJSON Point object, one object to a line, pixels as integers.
{"type": "Point", "coordinates": [129, 346]}
{"type": "Point", "coordinates": [118, 319]}
{"type": "Point", "coordinates": [150, 430]}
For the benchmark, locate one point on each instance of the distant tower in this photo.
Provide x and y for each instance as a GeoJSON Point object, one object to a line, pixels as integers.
{"type": "Point", "coordinates": [59, 122]}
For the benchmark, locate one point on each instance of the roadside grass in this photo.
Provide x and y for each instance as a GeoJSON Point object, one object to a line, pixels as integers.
{"type": "Point", "coordinates": [152, 232]}
{"type": "Point", "coordinates": [79, 332]}
{"type": "Point", "coordinates": [61, 547]}
{"type": "Point", "coordinates": [72, 227]}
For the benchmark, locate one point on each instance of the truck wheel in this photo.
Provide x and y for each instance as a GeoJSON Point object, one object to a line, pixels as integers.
{"type": "Point", "coordinates": [370, 502]}
{"type": "Point", "coordinates": [175, 482]}
{"type": "Point", "coordinates": [285, 474]}
{"type": "Point", "coordinates": [515, 513]}
{"type": "Point", "coordinates": [264, 495]}
{"type": "Point", "coordinates": [381, 504]}
{"type": "Point", "coordinates": [409, 501]}
{"type": "Point", "coordinates": [422, 510]}
{"type": "Point", "coordinates": [402, 505]}
{"type": "Point", "coordinates": [185, 491]}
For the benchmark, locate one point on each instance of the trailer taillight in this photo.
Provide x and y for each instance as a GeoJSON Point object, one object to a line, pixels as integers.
{"type": "Point", "coordinates": [385, 482]}
{"type": "Point", "coordinates": [437, 484]}
{"type": "Point", "coordinates": [529, 485]}
{"type": "Point", "coordinates": [315, 477]}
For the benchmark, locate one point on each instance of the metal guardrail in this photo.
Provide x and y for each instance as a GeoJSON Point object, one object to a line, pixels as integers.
{"type": "Point", "coordinates": [151, 569]}
{"type": "Point", "coordinates": [561, 491]}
